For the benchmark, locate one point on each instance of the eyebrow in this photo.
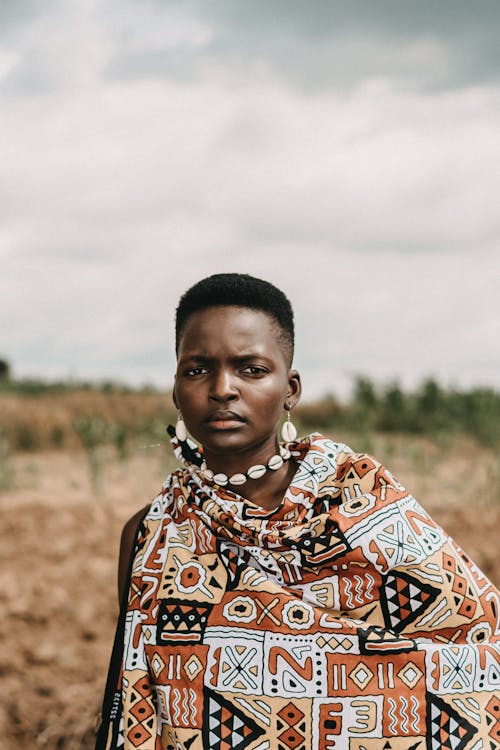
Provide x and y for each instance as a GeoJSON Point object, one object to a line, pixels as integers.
{"type": "Point", "coordinates": [203, 359]}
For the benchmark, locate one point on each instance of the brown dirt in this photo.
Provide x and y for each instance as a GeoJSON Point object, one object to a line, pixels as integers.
{"type": "Point", "coordinates": [60, 551]}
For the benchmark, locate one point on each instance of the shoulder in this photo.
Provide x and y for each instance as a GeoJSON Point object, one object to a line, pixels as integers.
{"type": "Point", "coordinates": [352, 473]}
{"type": "Point", "coordinates": [130, 528]}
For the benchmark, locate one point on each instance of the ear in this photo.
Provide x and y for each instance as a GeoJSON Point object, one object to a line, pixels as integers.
{"type": "Point", "coordinates": [294, 390]}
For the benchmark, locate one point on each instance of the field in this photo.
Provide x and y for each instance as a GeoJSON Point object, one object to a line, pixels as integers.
{"type": "Point", "coordinates": [61, 518]}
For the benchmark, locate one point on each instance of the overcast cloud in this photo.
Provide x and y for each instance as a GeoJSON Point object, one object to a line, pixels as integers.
{"type": "Point", "coordinates": [350, 153]}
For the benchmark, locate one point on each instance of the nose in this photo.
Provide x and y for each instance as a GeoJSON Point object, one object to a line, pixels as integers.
{"type": "Point", "coordinates": [223, 386]}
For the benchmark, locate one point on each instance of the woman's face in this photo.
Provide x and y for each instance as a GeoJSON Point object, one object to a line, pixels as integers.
{"type": "Point", "coordinates": [233, 379]}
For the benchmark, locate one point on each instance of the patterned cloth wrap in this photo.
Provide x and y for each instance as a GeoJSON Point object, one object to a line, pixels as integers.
{"type": "Point", "coordinates": [344, 619]}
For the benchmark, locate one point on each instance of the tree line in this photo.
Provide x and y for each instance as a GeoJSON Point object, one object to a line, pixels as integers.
{"type": "Point", "coordinates": [429, 409]}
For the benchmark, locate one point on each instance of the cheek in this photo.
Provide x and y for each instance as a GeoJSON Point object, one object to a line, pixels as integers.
{"type": "Point", "coordinates": [273, 401]}
{"type": "Point", "coordinates": [187, 398]}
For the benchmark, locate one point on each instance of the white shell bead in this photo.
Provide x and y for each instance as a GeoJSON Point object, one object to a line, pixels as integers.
{"type": "Point", "coordinates": [275, 462]}
{"type": "Point", "coordinates": [257, 471]}
{"type": "Point", "coordinates": [237, 479]}
{"type": "Point", "coordinates": [289, 432]}
{"type": "Point", "coordinates": [208, 474]}
{"type": "Point", "coordinates": [180, 430]}
{"type": "Point", "coordinates": [220, 479]}
{"type": "Point", "coordinates": [285, 453]}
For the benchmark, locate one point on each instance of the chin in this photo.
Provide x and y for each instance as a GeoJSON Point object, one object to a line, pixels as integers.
{"type": "Point", "coordinates": [234, 441]}
{"type": "Point", "coordinates": [224, 440]}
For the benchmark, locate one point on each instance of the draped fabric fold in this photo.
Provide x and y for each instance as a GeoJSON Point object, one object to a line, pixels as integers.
{"type": "Point", "coordinates": [345, 618]}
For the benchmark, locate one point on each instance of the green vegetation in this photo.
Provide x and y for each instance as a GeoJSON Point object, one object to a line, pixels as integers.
{"type": "Point", "coordinates": [4, 369]}
{"type": "Point", "coordinates": [37, 415]}
{"type": "Point", "coordinates": [6, 469]}
{"type": "Point", "coordinates": [429, 410]}
{"type": "Point", "coordinates": [38, 387]}
{"type": "Point", "coordinates": [93, 433]}
{"type": "Point", "coordinates": [420, 427]}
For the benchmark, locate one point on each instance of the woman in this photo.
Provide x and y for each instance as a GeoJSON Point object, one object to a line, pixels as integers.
{"type": "Point", "coordinates": [294, 596]}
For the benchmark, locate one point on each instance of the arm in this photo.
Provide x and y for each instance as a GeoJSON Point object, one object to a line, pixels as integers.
{"type": "Point", "coordinates": [126, 542]}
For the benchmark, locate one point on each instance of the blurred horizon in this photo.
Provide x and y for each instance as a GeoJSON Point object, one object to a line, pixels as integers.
{"type": "Point", "coordinates": [33, 383]}
{"type": "Point", "coordinates": [63, 412]}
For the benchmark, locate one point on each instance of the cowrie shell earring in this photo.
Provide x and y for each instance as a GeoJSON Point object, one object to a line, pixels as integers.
{"type": "Point", "coordinates": [288, 431]}
{"type": "Point", "coordinates": [180, 429]}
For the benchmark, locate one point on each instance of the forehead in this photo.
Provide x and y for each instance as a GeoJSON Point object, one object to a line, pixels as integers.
{"type": "Point", "coordinates": [228, 326]}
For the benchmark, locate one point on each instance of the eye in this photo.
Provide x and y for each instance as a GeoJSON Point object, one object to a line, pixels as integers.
{"type": "Point", "coordinates": [255, 370]}
{"type": "Point", "coordinates": [194, 371]}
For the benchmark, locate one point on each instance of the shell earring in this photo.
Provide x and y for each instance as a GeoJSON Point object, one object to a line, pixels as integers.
{"type": "Point", "coordinates": [185, 449]}
{"type": "Point", "coordinates": [180, 429]}
{"type": "Point", "coordinates": [288, 431]}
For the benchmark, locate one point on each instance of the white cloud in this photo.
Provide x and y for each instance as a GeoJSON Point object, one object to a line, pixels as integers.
{"type": "Point", "coordinates": [374, 206]}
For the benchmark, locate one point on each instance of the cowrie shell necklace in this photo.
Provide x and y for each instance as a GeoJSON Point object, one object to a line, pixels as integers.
{"type": "Point", "coordinates": [254, 472]}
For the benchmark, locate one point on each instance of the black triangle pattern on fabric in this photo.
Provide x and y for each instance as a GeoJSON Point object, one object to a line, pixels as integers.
{"type": "Point", "coordinates": [320, 550]}
{"type": "Point", "coordinates": [225, 726]}
{"type": "Point", "coordinates": [181, 621]}
{"type": "Point", "coordinates": [404, 598]}
{"type": "Point", "coordinates": [446, 729]}
{"type": "Point", "coordinates": [376, 640]}
{"type": "Point", "coordinates": [233, 563]}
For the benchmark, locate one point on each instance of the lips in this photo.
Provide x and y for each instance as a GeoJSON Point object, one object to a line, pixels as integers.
{"type": "Point", "coordinates": [224, 420]}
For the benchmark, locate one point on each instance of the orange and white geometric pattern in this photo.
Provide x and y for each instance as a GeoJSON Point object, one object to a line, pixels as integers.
{"type": "Point", "coordinates": [344, 619]}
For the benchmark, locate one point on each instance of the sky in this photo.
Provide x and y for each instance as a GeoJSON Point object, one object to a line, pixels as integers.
{"type": "Point", "coordinates": [347, 152]}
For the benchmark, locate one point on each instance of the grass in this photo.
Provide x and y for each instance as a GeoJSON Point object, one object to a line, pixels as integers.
{"type": "Point", "coordinates": [42, 416]}
{"type": "Point", "coordinates": [6, 467]}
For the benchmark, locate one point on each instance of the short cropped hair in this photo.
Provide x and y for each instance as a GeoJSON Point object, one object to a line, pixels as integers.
{"type": "Point", "coordinates": [240, 290]}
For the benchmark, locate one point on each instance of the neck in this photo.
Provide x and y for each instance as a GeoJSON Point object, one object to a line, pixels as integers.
{"type": "Point", "coordinates": [235, 462]}
{"type": "Point", "coordinates": [267, 492]}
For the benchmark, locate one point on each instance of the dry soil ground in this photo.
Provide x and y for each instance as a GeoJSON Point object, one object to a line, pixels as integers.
{"type": "Point", "coordinates": [59, 550]}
